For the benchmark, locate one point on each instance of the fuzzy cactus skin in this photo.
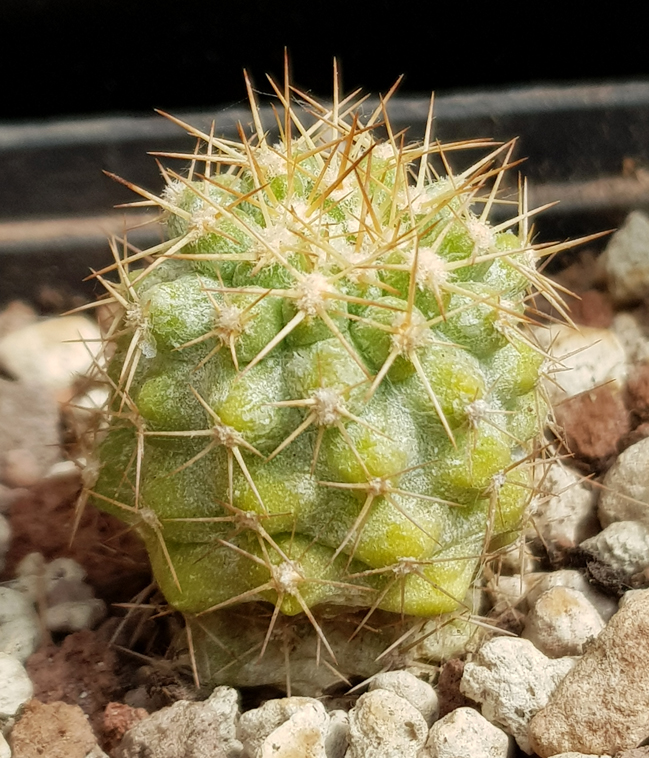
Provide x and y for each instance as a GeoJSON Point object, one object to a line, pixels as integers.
{"type": "Point", "coordinates": [323, 391]}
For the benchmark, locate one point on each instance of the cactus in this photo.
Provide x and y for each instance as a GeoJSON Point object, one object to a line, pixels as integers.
{"type": "Point", "coordinates": [324, 397]}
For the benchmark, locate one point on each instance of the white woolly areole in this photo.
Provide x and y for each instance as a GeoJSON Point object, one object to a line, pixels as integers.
{"type": "Point", "coordinates": [203, 221]}
{"type": "Point", "coordinates": [481, 235]}
{"type": "Point", "coordinates": [476, 411]}
{"type": "Point", "coordinates": [227, 436]}
{"type": "Point", "coordinates": [327, 406]}
{"type": "Point", "coordinates": [272, 161]}
{"type": "Point", "coordinates": [431, 269]}
{"type": "Point", "coordinates": [229, 322]}
{"type": "Point", "coordinates": [384, 151]}
{"type": "Point", "coordinates": [148, 515]}
{"type": "Point", "coordinates": [286, 577]}
{"type": "Point", "coordinates": [135, 319]}
{"type": "Point", "coordinates": [310, 293]}
{"type": "Point", "coordinates": [497, 481]}
{"type": "Point", "coordinates": [378, 487]}
{"type": "Point", "coordinates": [411, 332]}
{"type": "Point", "coordinates": [274, 242]}
{"type": "Point", "coordinates": [173, 192]}
{"type": "Point", "coordinates": [406, 565]}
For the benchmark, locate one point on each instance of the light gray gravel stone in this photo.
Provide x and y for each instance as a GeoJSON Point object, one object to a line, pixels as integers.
{"type": "Point", "coordinates": [632, 335]}
{"type": "Point", "coordinates": [601, 706]}
{"type": "Point", "coordinates": [588, 358]}
{"type": "Point", "coordinates": [52, 352]}
{"type": "Point", "coordinates": [384, 725]}
{"type": "Point", "coordinates": [508, 592]}
{"type": "Point", "coordinates": [15, 686]}
{"type": "Point", "coordinates": [5, 750]}
{"type": "Point", "coordinates": [257, 724]}
{"type": "Point", "coordinates": [579, 755]}
{"type": "Point", "coordinates": [565, 514]}
{"type": "Point", "coordinates": [625, 496]}
{"type": "Point", "coordinates": [21, 468]}
{"type": "Point", "coordinates": [304, 734]}
{"type": "Point", "coordinates": [74, 616]}
{"type": "Point", "coordinates": [625, 261]}
{"type": "Point", "coordinates": [623, 545]}
{"type": "Point", "coordinates": [562, 622]}
{"type": "Point", "coordinates": [464, 733]}
{"type": "Point", "coordinates": [337, 734]}
{"type": "Point", "coordinates": [20, 631]}
{"type": "Point", "coordinates": [29, 420]}
{"type": "Point", "coordinates": [70, 604]}
{"type": "Point", "coordinates": [188, 730]}
{"type": "Point", "coordinates": [421, 694]}
{"type": "Point", "coordinates": [543, 581]}
{"type": "Point", "coordinates": [512, 680]}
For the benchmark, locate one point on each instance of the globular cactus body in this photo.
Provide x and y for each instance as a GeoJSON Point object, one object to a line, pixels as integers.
{"type": "Point", "coordinates": [323, 391]}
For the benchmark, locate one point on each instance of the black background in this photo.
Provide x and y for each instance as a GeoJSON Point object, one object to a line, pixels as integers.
{"type": "Point", "coordinates": [69, 57]}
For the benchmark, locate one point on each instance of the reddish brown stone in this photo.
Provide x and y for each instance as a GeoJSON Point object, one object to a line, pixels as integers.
{"type": "Point", "coordinates": [55, 730]}
{"type": "Point", "coordinates": [82, 671]}
{"type": "Point", "coordinates": [594, 424]}
{"type": "Point", "coordinates": [448, 687]}
{"type": "Point", "coordinates": [593, 309]}
{"type": "Point", "coordinates": [42, 519]}
{"type": "Point", "coordinates": [118, 719]}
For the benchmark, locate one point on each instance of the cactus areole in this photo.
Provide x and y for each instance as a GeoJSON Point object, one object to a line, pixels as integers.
{"type": "Point", "coordinates": [323, 391]}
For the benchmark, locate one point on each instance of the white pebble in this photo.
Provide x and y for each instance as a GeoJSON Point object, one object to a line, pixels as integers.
{"type": "Point", "coordinates": [19, 628]}
{"type": "Point", "coordinates": [543, 581]}
{"type": "Point", "coordinates": [586, 359]}
{"type": "Point", "coordinates": [623, 545]}
{"type": "Point", "coordinates": [51, 352]}
{"type": "Point", "coordinates": [75, 616]}
{"type": "Point", "coordinates": [512, 680]}
{"type": "Point", "coordinates": [302, 735]}
{"type": "Point", "coordinates": [508, 592]}
{"type": "Point", "coordinates": [625, 495]}
{"type": "Point", "coordinates": [187, 730]}
{"type": "Point", "coordinates": [414, 690]}
{"type": "Point", "coordinates": [256, 725]}
{"type": "Point", "coordinates": [5, 750]}
{"type": "Point", "coordinates": [20, 468]}
{"type": "Point", "coordinates": [464, 733]}
{"type": "Point", "coordinates": [337, 734]}
{"type": "Point", "coordinates": [384, 725]}
{"type": "Point", "coordinates": [561, 622]}
{"type": "Point", "coordinates": [16, 687]}
{"type": "Point", "coordinates": [35, 577]}
{"type": "Point", "coordinates": [565, 513]}
{"type": "Point", "coordinates": [630, 332]}
{"type": "Point", "coordinates": [625, 261]}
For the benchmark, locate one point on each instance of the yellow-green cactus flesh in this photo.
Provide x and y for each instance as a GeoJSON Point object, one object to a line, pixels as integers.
{"type": "Point", "coordinates": [324, 393]}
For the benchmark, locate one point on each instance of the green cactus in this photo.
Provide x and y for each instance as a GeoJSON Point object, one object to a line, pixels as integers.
{"type": "Point", "coordinates": [324, 395]}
